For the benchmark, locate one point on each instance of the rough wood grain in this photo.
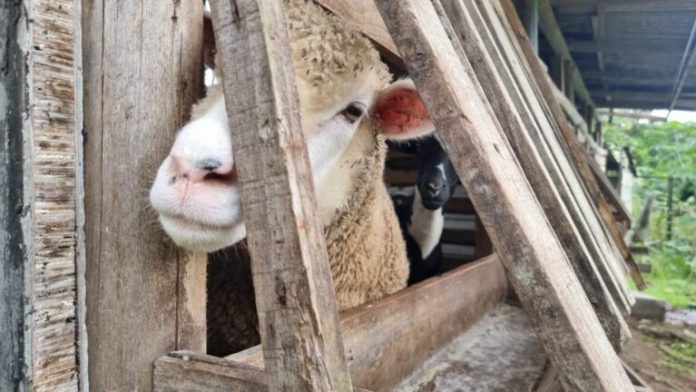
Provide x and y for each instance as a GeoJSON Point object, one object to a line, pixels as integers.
{"type": "Point", "coordinates": [520, 232]}
{"type": "Point", "coordinates": [571, 144]}
{"type": "Point", "coordinates": [387, 339]}
{"type": "Point", "coordinates": [14, 331]}
{"type": "Point", "coordinates": [523, 130]}
{"type": "Point", "coordinates": [364, 15]}
{"type": "Point", "coordinates": [142, 72]}
{"type": "Point", "coordinates": [186, 371]}
{"type": "Point", "coordinates": [295, 299]}
{"type": "Point", "coordinates": [610, 263]}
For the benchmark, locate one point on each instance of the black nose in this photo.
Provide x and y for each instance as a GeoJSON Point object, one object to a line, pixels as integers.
{"type": "Point", "coordinates": [208, 164]}
{"type": "Point", "coordinates": [434, 187]}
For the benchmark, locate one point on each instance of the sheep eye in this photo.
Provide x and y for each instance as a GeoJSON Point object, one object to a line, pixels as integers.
{"type": "Point", "coordinates": [353, 112]}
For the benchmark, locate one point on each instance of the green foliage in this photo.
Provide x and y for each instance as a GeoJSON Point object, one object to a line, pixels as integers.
{"type": "Point", "coordinates": [661, 151]}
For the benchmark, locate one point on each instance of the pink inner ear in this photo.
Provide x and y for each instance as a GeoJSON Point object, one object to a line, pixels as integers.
{"type": "Point", "coordinates": [400, 112]}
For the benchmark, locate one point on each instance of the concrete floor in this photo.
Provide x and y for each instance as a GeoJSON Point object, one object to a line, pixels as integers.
{"type": "Point", "coordinates": [499, 353]}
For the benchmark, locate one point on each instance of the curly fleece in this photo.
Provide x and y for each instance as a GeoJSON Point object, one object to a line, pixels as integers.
{"type": "Point", "coordinates": [367, 255]}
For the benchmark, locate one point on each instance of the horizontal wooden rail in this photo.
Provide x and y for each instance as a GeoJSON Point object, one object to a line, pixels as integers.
{"type": "Point", "coordinates": [387, 339]}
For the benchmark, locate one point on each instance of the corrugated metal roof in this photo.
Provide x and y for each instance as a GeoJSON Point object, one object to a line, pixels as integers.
{"type": "Point", "coordinates": [629, 51]}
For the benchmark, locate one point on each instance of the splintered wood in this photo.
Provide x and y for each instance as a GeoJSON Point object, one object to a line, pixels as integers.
{"type": "Point", "coordinates": [537, 262]}
{"type": "Point", "coordinates": [297, 309]}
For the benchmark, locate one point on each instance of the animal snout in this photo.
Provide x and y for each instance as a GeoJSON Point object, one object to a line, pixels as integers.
{"type": "Point", "coordinates": [200, 170]}
{"type": "Point", "coordinates": [434, 188]}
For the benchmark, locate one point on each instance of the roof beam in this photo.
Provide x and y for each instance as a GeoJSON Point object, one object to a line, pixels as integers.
{"type": "Point", "coordinates": [549, 26]}
{"type": "Point", "coordinates": [589, 6]}
{"type": "Point", "coordinates": [683, 73]}
{"type": "Point", "coordinates": [637, 47]}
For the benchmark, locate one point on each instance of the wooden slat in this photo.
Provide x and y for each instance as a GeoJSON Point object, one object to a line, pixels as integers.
{"type": "Point", "coordinates": [554, 182]}
{"type": "Point", "coordinates": [141, 76]}
{"type": "Point", "coordinates": [15, 367]}
{"type": "Point", "coordinates": [387, 339]}
{"type": "Point", "coordinates": [571, 145]}
{"type": "Point", "coordinates": [537, 264]}
{"type": "Point", "coordinates": [295, 300]}
{"type": "Point", "coordinates": [186, 371]}
{"type": "Point", "coordinates": [365, 17]}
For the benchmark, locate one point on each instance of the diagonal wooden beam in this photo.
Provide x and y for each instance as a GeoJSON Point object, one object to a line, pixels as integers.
{"type": "Point", "coordinates": [536, 263]}
{"type": "Point", "coordinates": [295, 298]}
{"type": "Point", "coordinates": [582, 161]}
{"type": "Point", "coordinates": [530, 135]}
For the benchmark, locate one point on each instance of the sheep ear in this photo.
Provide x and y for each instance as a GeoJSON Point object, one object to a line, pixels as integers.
{"type": "Point", "coordinates": [400, 113]}
{"type": "Point", "coordinates": [208, 41]}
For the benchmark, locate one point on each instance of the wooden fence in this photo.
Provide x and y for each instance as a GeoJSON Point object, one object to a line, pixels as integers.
{"type": "Point", "coordinates": [96, 298]}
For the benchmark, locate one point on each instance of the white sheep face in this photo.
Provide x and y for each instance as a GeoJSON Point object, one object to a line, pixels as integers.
{"type": "Point", "coordinates": [196, 194]}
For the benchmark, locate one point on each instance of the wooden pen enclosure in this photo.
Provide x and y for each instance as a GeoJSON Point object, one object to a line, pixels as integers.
{"type": "Point", "coordinates": [101, 300]}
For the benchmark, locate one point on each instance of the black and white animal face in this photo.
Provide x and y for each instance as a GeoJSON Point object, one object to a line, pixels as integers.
{"type": "Point", "coordinates": [436, 175]}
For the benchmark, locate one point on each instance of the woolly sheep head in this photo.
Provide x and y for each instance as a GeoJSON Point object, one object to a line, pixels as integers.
{"type": "Point", "coordinates": [345, 97]}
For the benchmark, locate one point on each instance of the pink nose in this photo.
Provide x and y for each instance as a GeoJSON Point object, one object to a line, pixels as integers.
{"type": "Point", "coordinates": [207, 169]}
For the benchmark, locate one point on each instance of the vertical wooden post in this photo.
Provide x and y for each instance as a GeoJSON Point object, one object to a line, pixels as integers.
{"type": "Point", "coordinates": [15, 371]}
{"type": "Point", "coordinates": [538, 266]}
{"type": "Point", "coordinates": [145, 297]}
{"type": "Point", "coordinates": [39, 202]}
{"type": "Point", "coordinates": [531, 22]}
{"type": "Point", "coordinates": [298, 317]}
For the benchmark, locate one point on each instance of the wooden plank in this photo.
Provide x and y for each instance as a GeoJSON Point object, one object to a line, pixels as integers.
{"type": "Point", "coordinates": [365, 17]}
{"type": "Point", "coordinates": [549, 380]}
{"type": "Point", "coordinates": [389, 338]}
{"type": "Point", "coordinates": [141, 76]}
{"type": "Point", "coordinates": [186, 371]}
{"type": "Point", "coordinates": [38, 206]}
{"type": "Point", "coordinates": [526, 244]}
{"type": "Point", "coordinates": [601, 255]}
{"type": "Point", "coordinates": [554, 35]}
{"type": "Point", "coordinates": [295, 299]}
{"type": "Point", "coordinates": [614, 272]}
{"type": "Point", "coordinates": [571, 145]}
{"type": "Point", "coordinates": [515, 112]}
{"type": "Point", "coordinates": [15, 332]}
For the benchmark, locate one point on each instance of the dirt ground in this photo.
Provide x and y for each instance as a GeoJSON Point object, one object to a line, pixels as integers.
{"type": "Point", "coordinates": [645, 353]}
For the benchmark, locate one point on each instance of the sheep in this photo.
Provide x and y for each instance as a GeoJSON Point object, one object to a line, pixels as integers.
{"type": "Point", "coordinates": [421, 215]}
{"type": "Point", "coordinates": [348, 109]}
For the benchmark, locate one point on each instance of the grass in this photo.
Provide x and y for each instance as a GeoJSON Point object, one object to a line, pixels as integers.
{"type": "Point", "coordinates": [676, 291]}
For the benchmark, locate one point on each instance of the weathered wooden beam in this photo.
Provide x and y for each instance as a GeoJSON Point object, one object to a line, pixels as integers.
{"type": "Point", "coordinates": [530, 134]}
{"type": "Point", "coordinates": [39, 201]}
{"type": "Point", "coordinates": [537, 265]}
{"type": "Point", "coordinates": [145, 297]}
{"type": "Point", "coordinates": [295, 298]}
{"type": "Point", "coordinates": [15, 325]}
{"type": "Point", "coordinates": [387, 339]}
{"type": "Point", "coordinates": [580, 157]}
{"type": "Point", "coordinates": [187, 371]}
{"type": "Point", "coordinates": [549, 26]}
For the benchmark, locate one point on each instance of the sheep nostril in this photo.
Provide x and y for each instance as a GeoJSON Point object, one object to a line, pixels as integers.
{"type": "Point", "coordinates": [209, 164]}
